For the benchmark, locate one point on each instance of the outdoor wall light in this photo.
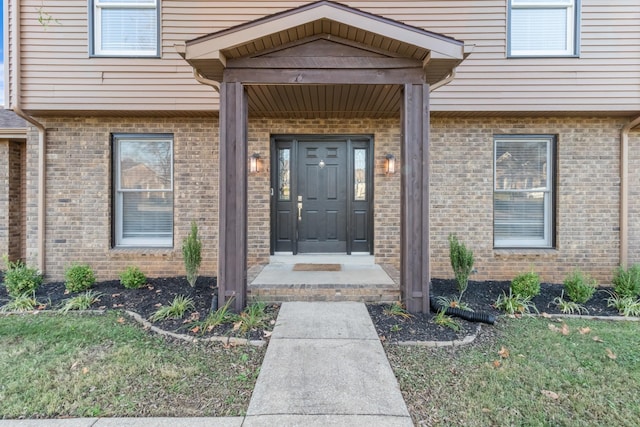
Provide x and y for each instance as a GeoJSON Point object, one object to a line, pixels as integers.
{"type": "Point", "coordinates": [254, 163]}
{"type": "Point", "coordinates": [390, 164]}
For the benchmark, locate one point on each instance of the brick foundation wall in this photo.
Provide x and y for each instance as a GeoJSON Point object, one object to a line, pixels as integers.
{"type": "Point", "coordinates": [79, 194]}
{"type": "Point", "coordinates": [587, 218]}
{"type": "Point", "coordinates": [634, 197]}
{"type": "Point", "coordinates": [4, 199]}
{"type": "Point", "coordinates": [12, 200]}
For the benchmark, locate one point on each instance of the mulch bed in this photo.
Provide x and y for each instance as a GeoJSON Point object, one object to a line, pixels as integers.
{"type": "Point", "coordinates": [480, 296]}
{"type": "Point", "coordinates": [160, 292]}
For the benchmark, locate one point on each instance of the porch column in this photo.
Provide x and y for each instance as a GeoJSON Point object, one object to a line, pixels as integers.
{"type": "Point", "coordinates": [232, 254]}
{"type": "Point", "coordinates": [414, 252]}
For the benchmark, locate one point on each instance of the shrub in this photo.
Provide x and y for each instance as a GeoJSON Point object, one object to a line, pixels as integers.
{"type": "Point", "coordinates": [626, 306]}
{"type": "Point", "coordinates": [626, 283]}
{"type": "Point", "coordinates": [179, 306]}
{"type": "Point", "coordinates": [191, 253]}
{"type": "Point", "coordinates": [78, 278]}
{"type": "Point", "coordinates": [24, 302]}
{"type": "Point", "coordinates": [132, 278]}
{"type": "Point", "coordinates": [20, 279]}
{"type": "Point", "coordinates": [81, 302]}
{"type": "Point", "coordinates": [461, 261]}
{"type": "Point", "coordinates": [514, 304]}
{"type": "Point", "coordinates": [526, 285]}
{"type": "Point", "coordinates": [579, 286]}
{"type": "Point", "coordinates": [569, 307]}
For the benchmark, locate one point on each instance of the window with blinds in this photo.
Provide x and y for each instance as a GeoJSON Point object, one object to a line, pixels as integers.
{"type": "Point", "coordinates": [523, 191]}
{"type": "Point", "coordinates": [543, 27]}
{"type": "Point", "coordinates": [125, 27]}
{"type": "Point", "coordinates": [143, 184]}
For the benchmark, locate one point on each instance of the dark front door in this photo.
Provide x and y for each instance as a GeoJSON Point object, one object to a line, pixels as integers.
{"type": "Point", "coordinates": [322, 194]}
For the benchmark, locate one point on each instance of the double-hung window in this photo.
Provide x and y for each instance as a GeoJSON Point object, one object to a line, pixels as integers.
{"type": "Point", "coordinates": [143, 190]}
{"type": "Point", "coordinates": [125, 27]}
{"type": "Point", "coordinates": [523, 191]}
{"type": "Point", "coordinates": [543, 27]}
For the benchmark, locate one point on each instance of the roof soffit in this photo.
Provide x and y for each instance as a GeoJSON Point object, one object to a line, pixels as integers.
{"type": "Point", "coordinates": [276, 33]}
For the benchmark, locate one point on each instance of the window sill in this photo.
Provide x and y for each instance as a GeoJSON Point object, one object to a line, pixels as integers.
{"type": "Point", "coordinates": [542, 252]}
{"type": "Point", "coordinates": [115, 252]}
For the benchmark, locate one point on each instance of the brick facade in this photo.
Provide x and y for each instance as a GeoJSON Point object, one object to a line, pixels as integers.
{"type": "Point", "coordinates": [79, 192]}
{"type": "Point", "coordinates": [587, 199]}
{"type": "Point", "coordinates": [12, 199]}
{"type": "Point", "coordinates": [634, 197]}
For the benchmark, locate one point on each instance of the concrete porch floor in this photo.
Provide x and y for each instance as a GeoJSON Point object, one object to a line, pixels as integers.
{"type": "Point", "coordinates": [359, 279]}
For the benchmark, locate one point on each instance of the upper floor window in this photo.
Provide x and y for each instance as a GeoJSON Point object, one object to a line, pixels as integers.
{"type": "Point", "coordinates": [543, 27]}
{"type": "Point", "coordinates": [143, 190]}
{"type": "Point", "coordinates": [125, 27]}
{"type": "Point", "coordinates": [523, 191]}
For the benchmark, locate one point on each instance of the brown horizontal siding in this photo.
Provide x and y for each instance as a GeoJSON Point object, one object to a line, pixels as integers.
{"type": "Point", "coordinates": [57, 73]}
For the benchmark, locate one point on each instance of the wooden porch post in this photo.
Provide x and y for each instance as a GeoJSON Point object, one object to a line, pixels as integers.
{"type": "Point", "coordinates": [232, 254]}
{"type": "Point", "coordinates": [414, 252]}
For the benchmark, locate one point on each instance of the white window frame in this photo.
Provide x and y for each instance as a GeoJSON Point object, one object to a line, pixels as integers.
{"type": "Point", "coordinates": [119, 241]}
{"type": "Point", "coordinates": [572, 24]}
{"type": "Point", "coordinates": [547, 192]}
{"type": "Point", "coordinates": [97, 6]}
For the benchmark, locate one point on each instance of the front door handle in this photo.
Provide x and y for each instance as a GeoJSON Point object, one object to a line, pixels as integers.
{"type": "Point", "coordinates": [299, 208]}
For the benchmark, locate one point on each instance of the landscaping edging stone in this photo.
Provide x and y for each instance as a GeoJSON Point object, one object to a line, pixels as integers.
{"type": "Point", "coordinates": [436, 344]}
{"type": "Point", "coordinates": [224, 340]}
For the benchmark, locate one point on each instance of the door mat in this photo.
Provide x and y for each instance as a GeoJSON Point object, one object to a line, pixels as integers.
{"type": "Point", "coordinates": [317, 267]}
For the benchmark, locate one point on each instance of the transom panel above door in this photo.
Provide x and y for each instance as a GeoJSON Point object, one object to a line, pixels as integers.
{"type": "Point", "coordinates": [322, 194]}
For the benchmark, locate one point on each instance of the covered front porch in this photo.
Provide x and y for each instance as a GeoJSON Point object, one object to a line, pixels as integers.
{"type": "Point", "coordinates": [324, 61]}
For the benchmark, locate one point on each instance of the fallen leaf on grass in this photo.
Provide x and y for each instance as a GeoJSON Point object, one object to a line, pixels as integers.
{"type": "Point", "coordinates": [504, 353]}
{"type": "Point", "coordinates": [195, 330]}
{"type": "Point", "coordinates": [611, 355]}
{"type": "Point", "coordinates": [120, 320]}
{"type": "Point", "coordinates": [564, 330]}
{"type": "Point", "coordinates": [597, 339]}
{"type": "Point", "coordinates": [550, 394]}
{"type": "Point", "coordinates": [496, 363]}
{"type": "Point", "coordinates": [584, 331]}
{"type": "Point", "coordinates": [85, 371]}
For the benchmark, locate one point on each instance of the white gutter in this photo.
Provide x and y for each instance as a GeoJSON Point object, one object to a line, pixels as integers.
{"type": "Point", "coordinates": [15, 106]}
{"type": "Point", "coordinates": [624, 190]}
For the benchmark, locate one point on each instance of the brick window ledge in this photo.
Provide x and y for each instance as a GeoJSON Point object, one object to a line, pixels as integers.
{"type": "Point", "coordinates": [543, 252]}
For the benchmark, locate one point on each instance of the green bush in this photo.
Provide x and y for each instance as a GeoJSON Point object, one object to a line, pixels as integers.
{"type": "Point", "coordinates": [461, 261]}
{"type": "Point", "coordinates": [132, 278]}
{"type": "Point", "coordinates": [626, 283]}
{"type": "Point", "coordinates": [20, 279]}
{"type": "Point", "coordinates": [191, 248]}
{"type": "Point", "coordinates": [579, 286]}
{"type": "Point", "coordinates": [526, 285]}
{"type": "Point", "coordinates": [78, 278]}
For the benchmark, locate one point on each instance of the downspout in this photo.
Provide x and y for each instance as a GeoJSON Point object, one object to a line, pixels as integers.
{"type": "Point", "coordinates": [205, 81]}
{"type": "Point", "coordinates": [444, 81]}
{"type": "Point", "coordinates": [624, 191]}
{"type": "Point", "coordinates": [15, 106]}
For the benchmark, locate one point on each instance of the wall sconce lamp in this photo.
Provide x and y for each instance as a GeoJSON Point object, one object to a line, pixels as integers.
{"type": "Point", "coordinates": [390, 164]}
{"type": "Point", "coordinates": [254, 163]}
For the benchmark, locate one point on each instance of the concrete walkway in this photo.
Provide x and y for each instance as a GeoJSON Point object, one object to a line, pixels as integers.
{"type": "Point", "coordinates": [324, 366]}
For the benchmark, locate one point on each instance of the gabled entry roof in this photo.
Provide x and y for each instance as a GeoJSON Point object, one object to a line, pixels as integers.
{"type": "Point", "coordinates": [387, 40]}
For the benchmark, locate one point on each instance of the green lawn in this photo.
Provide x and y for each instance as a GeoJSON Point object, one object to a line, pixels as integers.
{"type": "Point", "coordinates": [53, 365]}
{"type": "Point", "coordinates": [527, 373]}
